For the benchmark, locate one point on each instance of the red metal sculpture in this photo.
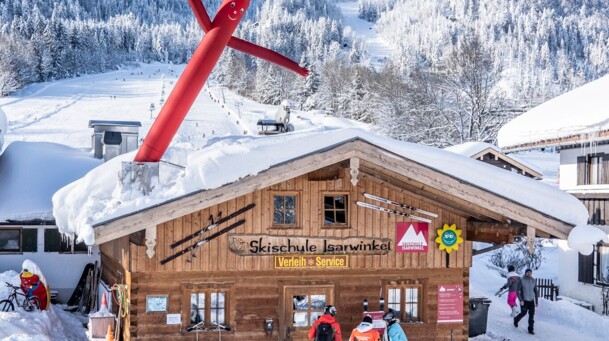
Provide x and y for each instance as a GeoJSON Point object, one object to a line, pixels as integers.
{"type": "Point", "coordinates": [218, 34]}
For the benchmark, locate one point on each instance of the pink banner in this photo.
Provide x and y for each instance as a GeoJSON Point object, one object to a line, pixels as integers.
{"type": "Point", "coordinates": [450, 303]}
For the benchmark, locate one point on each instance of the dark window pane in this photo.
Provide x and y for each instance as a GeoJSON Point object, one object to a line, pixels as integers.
{"type": "Point", "coordinates": [81, 247]}
{"type": "Point", "coordinates": [278, 217]}
{"type": "Point", "coordinates": [328, 202]}
{"type": "Point", "coordinates": [30, 240]}
{"type": "Point", "coordinates": [340, 217]}
{"type": "Point", "coordinates": [290, 202]}
{"type": "Point", "coordinates": [278, 201]}
{"type": "Point", "coordinates": [339, 202]}
{"type": "Point", "coordinates": [290, 217]}
{"type": "Point", "coordinates": [10, 240]}
{"type": "Point", "coordinates": [329, 217]}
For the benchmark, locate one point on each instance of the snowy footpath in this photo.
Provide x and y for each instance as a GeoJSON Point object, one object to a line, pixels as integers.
{"type": "Point", "coordinates": [557, 321]}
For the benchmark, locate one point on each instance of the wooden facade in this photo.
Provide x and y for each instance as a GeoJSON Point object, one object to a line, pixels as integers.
{"type": "Point", "coordinates": [254, 289]}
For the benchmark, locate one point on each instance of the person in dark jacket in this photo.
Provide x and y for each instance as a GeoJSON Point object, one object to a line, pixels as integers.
{"type": "Point", "coordinates": [528, 296]}
{"type": "Point", "coordinates": [327, 317]}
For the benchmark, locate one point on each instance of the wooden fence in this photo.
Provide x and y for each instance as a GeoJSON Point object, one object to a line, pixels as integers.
{"type": "Point", "coordinates": [547, 289]}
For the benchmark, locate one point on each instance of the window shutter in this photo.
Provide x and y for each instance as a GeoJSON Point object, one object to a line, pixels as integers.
{"type": "Point", "coordinates": [52, 239]}
{"type": "Point", "coordinates": [605, 169]}
{"type": "Point", "coordinates": [29, 240]}
{"type": "Point", "coordinates": [581, 170]}
{"type": "Point", "coordinates": [586, 268]}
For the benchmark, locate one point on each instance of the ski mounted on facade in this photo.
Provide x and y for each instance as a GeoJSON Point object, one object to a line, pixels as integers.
{"type": "Point", "coordinates": [213, 225]}
{"type": "Point", "coordinates": [395, 203]}
{"type": "Point", "coordinates": [383, 209]}
{"type": "Point", "coordinates": [203, 241]}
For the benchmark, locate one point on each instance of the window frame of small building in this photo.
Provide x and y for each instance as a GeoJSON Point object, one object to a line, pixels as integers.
{"type": "Point", "coordinates": [312, 313]}
{"type": "Point", "coordinates": [593, 169]}
{"type": "Point", "coordinates": [207, 289]}
{"type": "Point", "coordinates": [27, 239]}
{"type": "Point", "coordinates": [400, 304]}
{"type": "Point", "coordinates": [334, 210]}
{"type": "Point", "coordinates": [285, 210]}
{"type": "Point", "coordinates": [55, 242]}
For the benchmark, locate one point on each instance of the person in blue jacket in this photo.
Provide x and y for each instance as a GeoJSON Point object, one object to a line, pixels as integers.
{"type": "Point", "coordinates": [394, 330]}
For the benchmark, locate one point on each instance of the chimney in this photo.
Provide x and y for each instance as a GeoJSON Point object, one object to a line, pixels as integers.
{"type": "Point", "coordinates": [112, 138]}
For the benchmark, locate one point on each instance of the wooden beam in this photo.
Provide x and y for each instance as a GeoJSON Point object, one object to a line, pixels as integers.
{"type": "Point", "coordinates": [531, 239]}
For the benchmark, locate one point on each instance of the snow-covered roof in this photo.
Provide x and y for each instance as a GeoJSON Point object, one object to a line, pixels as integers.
{"type": "Point", "coordinates": [473, 149]}
{"type": "Point", "coordinates": [31, 172]}
{"type": "Point", "coordinates": [582, 113]}
{"type": "Point", "coordinates": [95, 199]}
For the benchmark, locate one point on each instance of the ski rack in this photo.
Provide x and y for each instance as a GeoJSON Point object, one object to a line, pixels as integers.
{"type": "Point", "coordinates": [203, 241]}
{"type": "Point", "coordinates": [383, 209]}
{"type": "Point", "coordinates": [213, 225]}
{"type": "Point", "coordinates": [398, 204]}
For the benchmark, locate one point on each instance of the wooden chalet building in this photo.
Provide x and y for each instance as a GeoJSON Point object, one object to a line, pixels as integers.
{"type": "Point", "coordinates": [308, 243]}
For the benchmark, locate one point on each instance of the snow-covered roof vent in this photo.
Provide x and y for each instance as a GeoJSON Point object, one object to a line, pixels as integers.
{"type": "Point", "coordinates": [112, 138]}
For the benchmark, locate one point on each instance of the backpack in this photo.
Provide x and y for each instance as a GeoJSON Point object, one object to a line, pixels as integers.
{"type": "Point", "coordinates": [324, 332]}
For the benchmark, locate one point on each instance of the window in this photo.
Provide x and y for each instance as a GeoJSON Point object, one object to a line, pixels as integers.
{"type": "Point", "coordinates": [603, 265]}
{"type": "Point", "coordinates": [335, 210]}
{"type": "Point", "coordinates": [16, 240]}
{"type": "Point", "coordinates": [304, 305]}
{"type": "Point", "coordinates": [55, 242]}
{"type": "Point", "coordinates": [405, 298]}
{"type": "Point", "coordinates": [593, 169]}
{"type": "Point", "coordinates": [284, 210]}
{"type": "Point", "coordinates": [208, 308]}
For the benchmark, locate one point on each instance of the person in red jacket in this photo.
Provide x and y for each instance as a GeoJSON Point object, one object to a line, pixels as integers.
{"type": "Point", "coordinates": [327, 319]}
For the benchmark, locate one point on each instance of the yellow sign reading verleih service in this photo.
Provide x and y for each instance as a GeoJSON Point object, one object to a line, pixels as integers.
{"type": "Point", "coordinates": [319, 261]}
{"type": "Point", "coordinates": [449, 238]}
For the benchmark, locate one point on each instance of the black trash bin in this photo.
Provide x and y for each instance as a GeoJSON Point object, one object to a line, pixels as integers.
{"type": "Point", "coordinates": [478, 315]}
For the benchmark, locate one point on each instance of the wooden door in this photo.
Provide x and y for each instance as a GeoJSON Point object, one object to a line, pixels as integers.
{"type": "Point", "coordinates": [302, 305]}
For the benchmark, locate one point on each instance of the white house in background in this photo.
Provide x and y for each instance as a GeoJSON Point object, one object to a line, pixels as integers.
{"type": "Point", "coordinates": [577, 123]}
{"type": "Point", "coordinates": [30, 173]}
{"type": "Point", "coordinates": [491, 154]}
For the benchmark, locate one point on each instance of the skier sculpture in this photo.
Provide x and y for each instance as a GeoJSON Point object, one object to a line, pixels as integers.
{"type": "Point", "coordinates": [218, 34]}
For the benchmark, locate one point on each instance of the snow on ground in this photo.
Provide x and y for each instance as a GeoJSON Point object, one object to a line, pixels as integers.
{"type": "Point", "coordinates": [52, 324]}
{"type": "Point", "coordinates": [378, 49]}
{"type": "Point", "coordinates": [557, 321]}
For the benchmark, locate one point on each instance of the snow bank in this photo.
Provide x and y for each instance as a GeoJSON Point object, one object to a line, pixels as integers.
{"type": "Point", "coordinates": [583, 238]}
{"type": "Point", "coordinates": [19, 325]}
{"type": "Point", "coordinates": [3, 128]}
{"type": "Point", "coordinates": [97, 197]}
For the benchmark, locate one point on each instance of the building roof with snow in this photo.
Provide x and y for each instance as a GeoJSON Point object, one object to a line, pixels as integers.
{"type": "Point", "coordinates": [31, 172]}
{"type": "Point", "coordinates": [231, 166]}
{"type": "Point", "coordinates": [580, 115]}
{"type": "Point", "coordinates": [491, 154]}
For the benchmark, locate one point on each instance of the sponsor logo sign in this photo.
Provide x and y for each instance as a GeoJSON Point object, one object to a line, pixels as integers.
{"type": "Point", "coordinates": [412, 237]}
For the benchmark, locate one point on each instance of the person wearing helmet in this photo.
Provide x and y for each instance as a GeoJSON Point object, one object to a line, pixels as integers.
{"type": "Point", "coordinates": [394, 330]}
{"type": "Point", "coordinates": [326, 325]}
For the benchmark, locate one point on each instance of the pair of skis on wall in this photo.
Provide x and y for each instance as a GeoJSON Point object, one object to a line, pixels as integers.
{"type": "Point", "coordinates": [398, 204]}
{"type": "Point", "coordinates": [193, 248]}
